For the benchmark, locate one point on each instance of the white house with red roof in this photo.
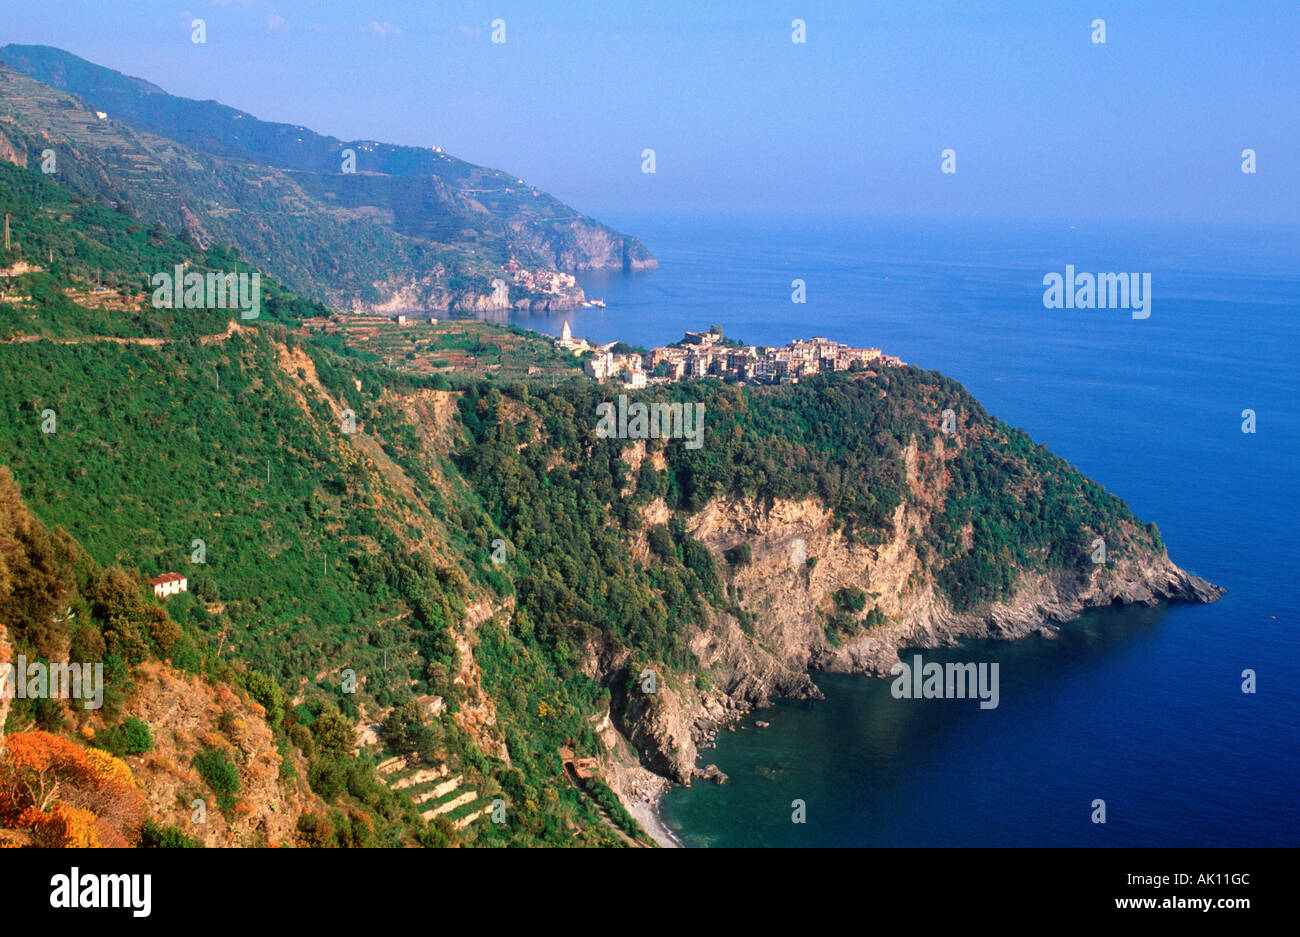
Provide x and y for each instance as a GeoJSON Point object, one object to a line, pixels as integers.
{"type": "Point", "coordinates": [168, 584]}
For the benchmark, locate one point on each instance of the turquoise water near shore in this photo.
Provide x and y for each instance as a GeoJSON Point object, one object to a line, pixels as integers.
{"type": "Point", "coordinates": [1077, 720]}
{"type": "Point", "coordinates": [1140, 707]}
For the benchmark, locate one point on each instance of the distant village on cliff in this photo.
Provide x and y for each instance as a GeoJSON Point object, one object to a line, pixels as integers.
{"type": "Point", "coordinates": [708, 354]}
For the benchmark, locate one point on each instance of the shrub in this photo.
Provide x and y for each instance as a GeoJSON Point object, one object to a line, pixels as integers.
{"type": "Point", "coordinates": [220, 775]}
{"type": "Point", "coordinates": [326, 779]}
{"type": "Point", "coordinates": [851, 599]}
{"type": "Point", "coordinates": [739, 555]}
{"type": "Point", "coordinates": [158, 836]}
{"type": "Point", "coordinates": [138, 737]}
{"type": "Point", "coordinates": [267, 693]}
{"type": "Point", "coordinates": [661, 542]}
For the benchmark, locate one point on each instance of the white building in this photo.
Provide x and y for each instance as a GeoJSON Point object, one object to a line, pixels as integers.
{"type": "Point", "coordinates": [168, 584]}
{"type": "Point", "coordinates": [567, 342]}
{"type": "Point", "coordinates": [600, 367]}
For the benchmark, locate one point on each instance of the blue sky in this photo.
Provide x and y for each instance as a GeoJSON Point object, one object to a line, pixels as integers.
{"type": "Point", "coordinates": [1045, 123]}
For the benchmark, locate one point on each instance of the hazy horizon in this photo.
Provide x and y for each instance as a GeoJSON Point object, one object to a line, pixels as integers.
{"type": "Point", "coordinates": [741, 118]}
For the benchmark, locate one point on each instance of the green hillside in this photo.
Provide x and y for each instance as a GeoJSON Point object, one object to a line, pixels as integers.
{"type": "Point", "coordinates": [355, 553]}
{"type": "Point", "coordinates": [327, 552]}
{"type": "Point", "coordinates": [284, 200]}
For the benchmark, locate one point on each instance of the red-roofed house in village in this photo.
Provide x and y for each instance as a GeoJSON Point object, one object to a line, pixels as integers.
{"type": "Point", "coordinates": [168, 584]}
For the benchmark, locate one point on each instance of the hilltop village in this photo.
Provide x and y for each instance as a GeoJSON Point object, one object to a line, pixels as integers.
{"type": "Point", "coordinates": [708, 354]}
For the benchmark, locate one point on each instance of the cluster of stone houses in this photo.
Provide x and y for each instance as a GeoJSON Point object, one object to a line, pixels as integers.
{"type": "Point", "coordinates": [704, 354]}
{"type": "Point", "coordinates": [541, 281]}
{"type": "Point", "coordinates": [604, 364]}
{"type": "Point", "coordinates": [607, 366]}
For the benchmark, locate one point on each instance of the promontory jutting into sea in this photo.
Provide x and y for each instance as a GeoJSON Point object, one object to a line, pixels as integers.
{"type": "Point", "coordinates": [802, 441]}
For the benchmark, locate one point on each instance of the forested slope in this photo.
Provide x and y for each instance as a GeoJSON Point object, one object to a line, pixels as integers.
{"type": "Point", "coordinates": [469, 566]}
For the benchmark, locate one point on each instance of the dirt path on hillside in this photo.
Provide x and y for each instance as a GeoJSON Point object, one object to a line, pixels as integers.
{"type": "Point", "coordinates": [232, 328]}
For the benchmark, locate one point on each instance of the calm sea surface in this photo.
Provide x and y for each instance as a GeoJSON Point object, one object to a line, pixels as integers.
{"type": "Point", "coordinates": [1140, 707]}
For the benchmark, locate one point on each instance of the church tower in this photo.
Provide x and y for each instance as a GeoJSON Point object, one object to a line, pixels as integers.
{"type": "Point", "coordinates": [565, 334]}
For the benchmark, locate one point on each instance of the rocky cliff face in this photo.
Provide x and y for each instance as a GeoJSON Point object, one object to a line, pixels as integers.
{"type": "Point", "coordinates": [189, 715]}
{"type": "Point", "coordinates": [584, 245]}
{"type": "Point", "coordinates": [402, 293]}
{"type": "Point", "coordinates": [799, 561]}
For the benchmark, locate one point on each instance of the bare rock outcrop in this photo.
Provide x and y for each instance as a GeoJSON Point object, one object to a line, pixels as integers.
{"type": "Point", "coordinates": [799, 558]}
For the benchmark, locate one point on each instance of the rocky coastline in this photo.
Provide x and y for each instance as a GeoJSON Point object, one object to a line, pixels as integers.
{"type": "Point", "coordinates": [787, 642]}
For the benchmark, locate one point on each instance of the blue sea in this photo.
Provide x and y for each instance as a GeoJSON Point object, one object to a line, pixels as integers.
{"type": "Point", "coordinates": [1141, 708]}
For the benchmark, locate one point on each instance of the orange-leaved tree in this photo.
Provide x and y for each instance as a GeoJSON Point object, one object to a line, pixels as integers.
{"type": "Point", "coordinates": [66, 795]}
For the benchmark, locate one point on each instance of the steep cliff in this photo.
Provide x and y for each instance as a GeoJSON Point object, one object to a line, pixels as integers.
{"type": "Point", "coordinates": [791, 601]}
{"type": "Point", "coordinates": [821, 527]}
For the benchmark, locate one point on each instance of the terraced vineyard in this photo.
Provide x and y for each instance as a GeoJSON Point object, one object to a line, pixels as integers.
{"type": "Point", "coordinates": [436, 793]}
{"type": "Point", "coordinates": [465, 346]}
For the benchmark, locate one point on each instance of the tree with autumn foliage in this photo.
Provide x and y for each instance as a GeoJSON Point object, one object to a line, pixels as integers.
{"type": "Point", "coordinates": [64, 795]}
